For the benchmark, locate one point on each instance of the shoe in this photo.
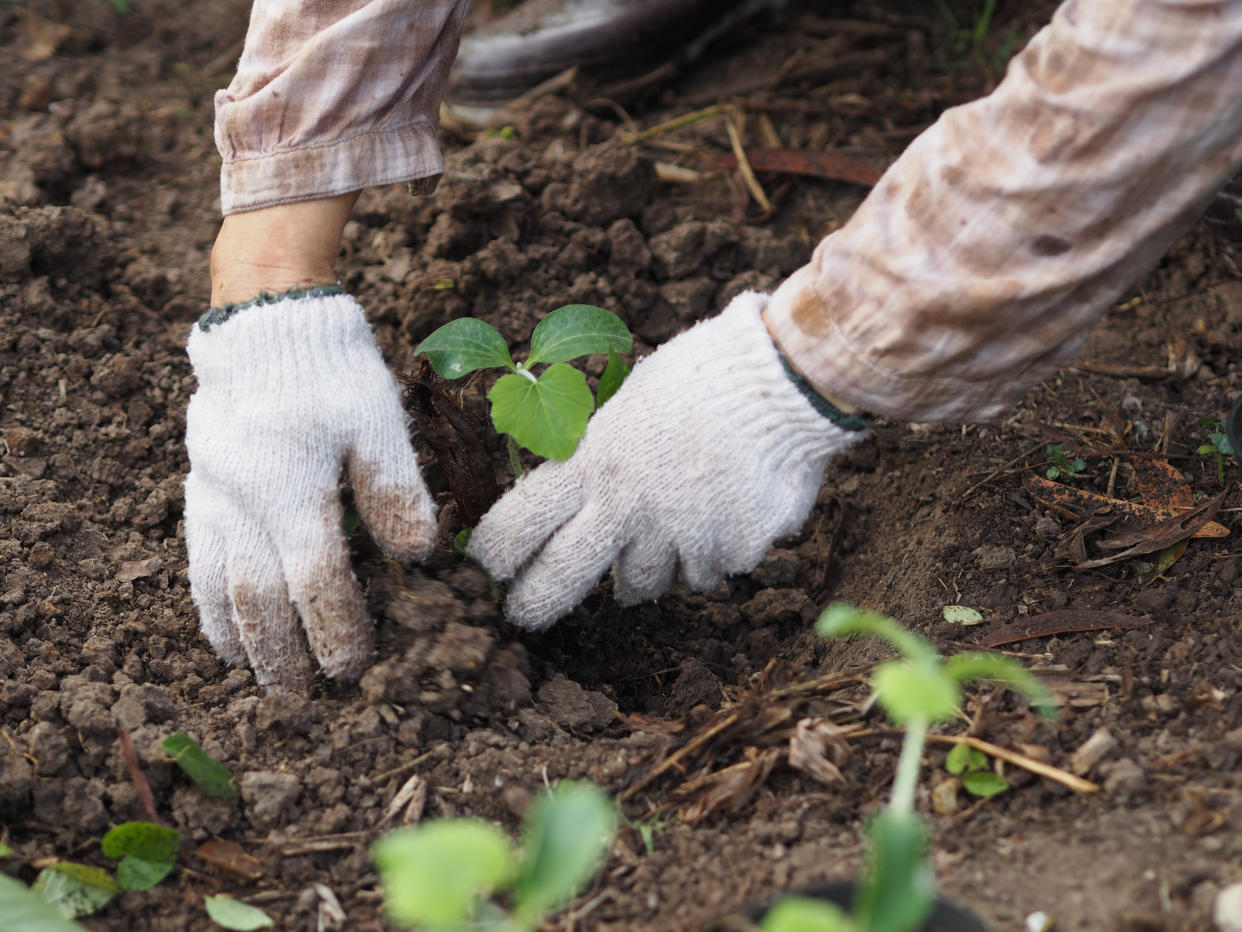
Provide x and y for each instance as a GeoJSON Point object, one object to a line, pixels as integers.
{"type": "Point", "coordinates": [604, 38]}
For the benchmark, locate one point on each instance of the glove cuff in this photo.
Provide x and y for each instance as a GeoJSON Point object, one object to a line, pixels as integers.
{"type": "Point", "coordinates": [851, 422]}
{"type": "Point", "coordinates": [218, 315]}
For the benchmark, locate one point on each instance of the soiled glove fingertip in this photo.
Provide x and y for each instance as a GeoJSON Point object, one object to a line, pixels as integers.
{"type": "Point", "coordinates": [403, 524]}
{"type": "Point", "coordinates": [533, 611]}
{"type": "Point", "coordinates": [348, 665]}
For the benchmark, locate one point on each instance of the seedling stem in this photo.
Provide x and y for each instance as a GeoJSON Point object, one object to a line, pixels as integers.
{"type": "Point", "coordinates": [907, 777]}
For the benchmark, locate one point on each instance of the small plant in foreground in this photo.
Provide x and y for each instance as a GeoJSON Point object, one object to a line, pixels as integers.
{"type": "Point", "coordinates": [916, 690]}
{"type": "Point", "coordinates": [1218, 445]}
{"type": "Point", "coordinates": [546, 414]}
{"type": "Point", "coordinates": [439, 875]}
{"type": "Point", "coordinates": [1062, 465]}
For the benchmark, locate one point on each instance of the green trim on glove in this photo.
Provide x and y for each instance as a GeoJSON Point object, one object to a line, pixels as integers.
{"type": "Point", "coordinates": [218, 315]}
{"type": "Point", "coordinates": [823, 405]}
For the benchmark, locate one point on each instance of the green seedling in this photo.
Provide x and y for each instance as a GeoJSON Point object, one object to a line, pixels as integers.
{"type": "Point", "coordinates": [1218, 445]}
{"type": "Point", "coordinates": [233, 914]}
{"type": "Point", "coordinates": [1062, 466]}
{"type": "Point", "coordinates": [439, 876]}
{"type": "Point", "coordinates": [23, 910]}
{"type": "Point", "coordinates": [75, 889]}
{"type": "Point", "coordinates": [971, 766]}
{"type": "Point", "coordinates": [211, 776]}
{"type": "Point", "coordinates": [646, 829]}
{"type": "Point", "coordinates": [916, 690]}
{"type": "Point", "coordinates": [147, 851]}
{"type": "Point", "coordinates": [546, 414]}
{"type": "Point", "coordinates": [973, 37]}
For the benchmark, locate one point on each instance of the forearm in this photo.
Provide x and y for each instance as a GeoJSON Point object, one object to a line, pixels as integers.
{"type": "Point", "coordinates": [278, 248]}
{"type": "Point", "coordinates": [988, 250]}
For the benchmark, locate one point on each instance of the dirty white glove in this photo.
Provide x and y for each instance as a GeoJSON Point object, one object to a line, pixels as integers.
{"type": "Point", "coordinates": [707, 454]}
{"type": "Point", "coordinates": [291, 392]}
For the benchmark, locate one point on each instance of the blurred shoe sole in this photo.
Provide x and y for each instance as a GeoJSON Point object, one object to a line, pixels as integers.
{"type": "Point", "coordinates": [606, 39]}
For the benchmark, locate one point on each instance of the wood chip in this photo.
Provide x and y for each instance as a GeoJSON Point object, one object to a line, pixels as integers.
{"type": "Point", "coordinates": [1092, 751]}
{"type": "Point", "coordinates": [230, 858]}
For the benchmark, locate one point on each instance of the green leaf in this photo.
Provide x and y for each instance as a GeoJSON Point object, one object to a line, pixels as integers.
{"type": "Point", "coordinates": [147, 851]}
{"type": "Point", "coordinates": [1170, 555]}
{"type": "Point", "coordinates": [803, 914]}
{"type": "Point", "coordinates": [138, 874]}
{"type": "Point", "coordinates": [212, 777]}
{"type": "Point", "coordinates": [614, 374]}
{"type": "Point", "coordinates": [146, 840]}
{"type": "Point", "coordinates": [1221, 442]}
{"type": "Point", "coordinates": [908, 690]}
{"type": "Point", "coordinates": [1205, 448]}
{"type": "Point", "coordinates": [958, 759]}
{"type": "Point", "coordinates": [5, 851]}
{"type": "Point", "coordinates": [433, 874]}
{"type": "Point", "coordinates": [566, 835]}
{"type": "Point", "coordinates": [234, 914]}
{"type": "Point", "coordinates": [899, 889]}
{"type": "Point", "coordinates": [547, 416]}
{"type": "Point", "coordinates": [841, 619]}
{"type": "Point", "coordinates": [984, 783]}
{"type": "Point", "coordinates": [577, 330]}
{"type": "Point", "coordinates": [461, 540]}
{"type": "Point", "coordinates": [461, 346]}
{"type": "Point", "coordinates": [75, 889]}
{"type": "Point", "coordinates": [23, 910]}
{"type": "Point", "coordinates": [979, 665]}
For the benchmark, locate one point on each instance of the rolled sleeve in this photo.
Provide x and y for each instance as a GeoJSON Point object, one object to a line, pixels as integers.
{"type": "Point", "coordinates": [986, 253]}
{"type": "Point", "coordinates": [333, 96]}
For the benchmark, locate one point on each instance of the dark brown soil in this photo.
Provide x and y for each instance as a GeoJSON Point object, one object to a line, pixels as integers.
{"type": "Point", "coordinates": [108, 205]}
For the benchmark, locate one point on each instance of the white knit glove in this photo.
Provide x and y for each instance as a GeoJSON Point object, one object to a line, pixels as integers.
{"type": "Point", "coordinates": [707, 454]}
{"type": "Point", "coordinates": [290, 394]}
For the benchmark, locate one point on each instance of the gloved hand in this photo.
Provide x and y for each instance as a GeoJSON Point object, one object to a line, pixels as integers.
{"type": "Point", "coordinates": [290, 393]}
{"type": "Point", "coordinates": [707, 454]}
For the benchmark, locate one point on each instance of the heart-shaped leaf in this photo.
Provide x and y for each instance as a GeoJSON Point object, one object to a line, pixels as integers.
{"type": "Point", "coordinates": [547, 416]}
{"type": "Point", "coordinates": [577, 330]}
{"type": "Point", "coordinates": [461, 346]}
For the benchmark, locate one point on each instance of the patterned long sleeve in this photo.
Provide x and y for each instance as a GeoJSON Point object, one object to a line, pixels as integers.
{"type": "Point", "coordinates": [990, 248]}
{"type": "Point", "coordinates": [333, 96]}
